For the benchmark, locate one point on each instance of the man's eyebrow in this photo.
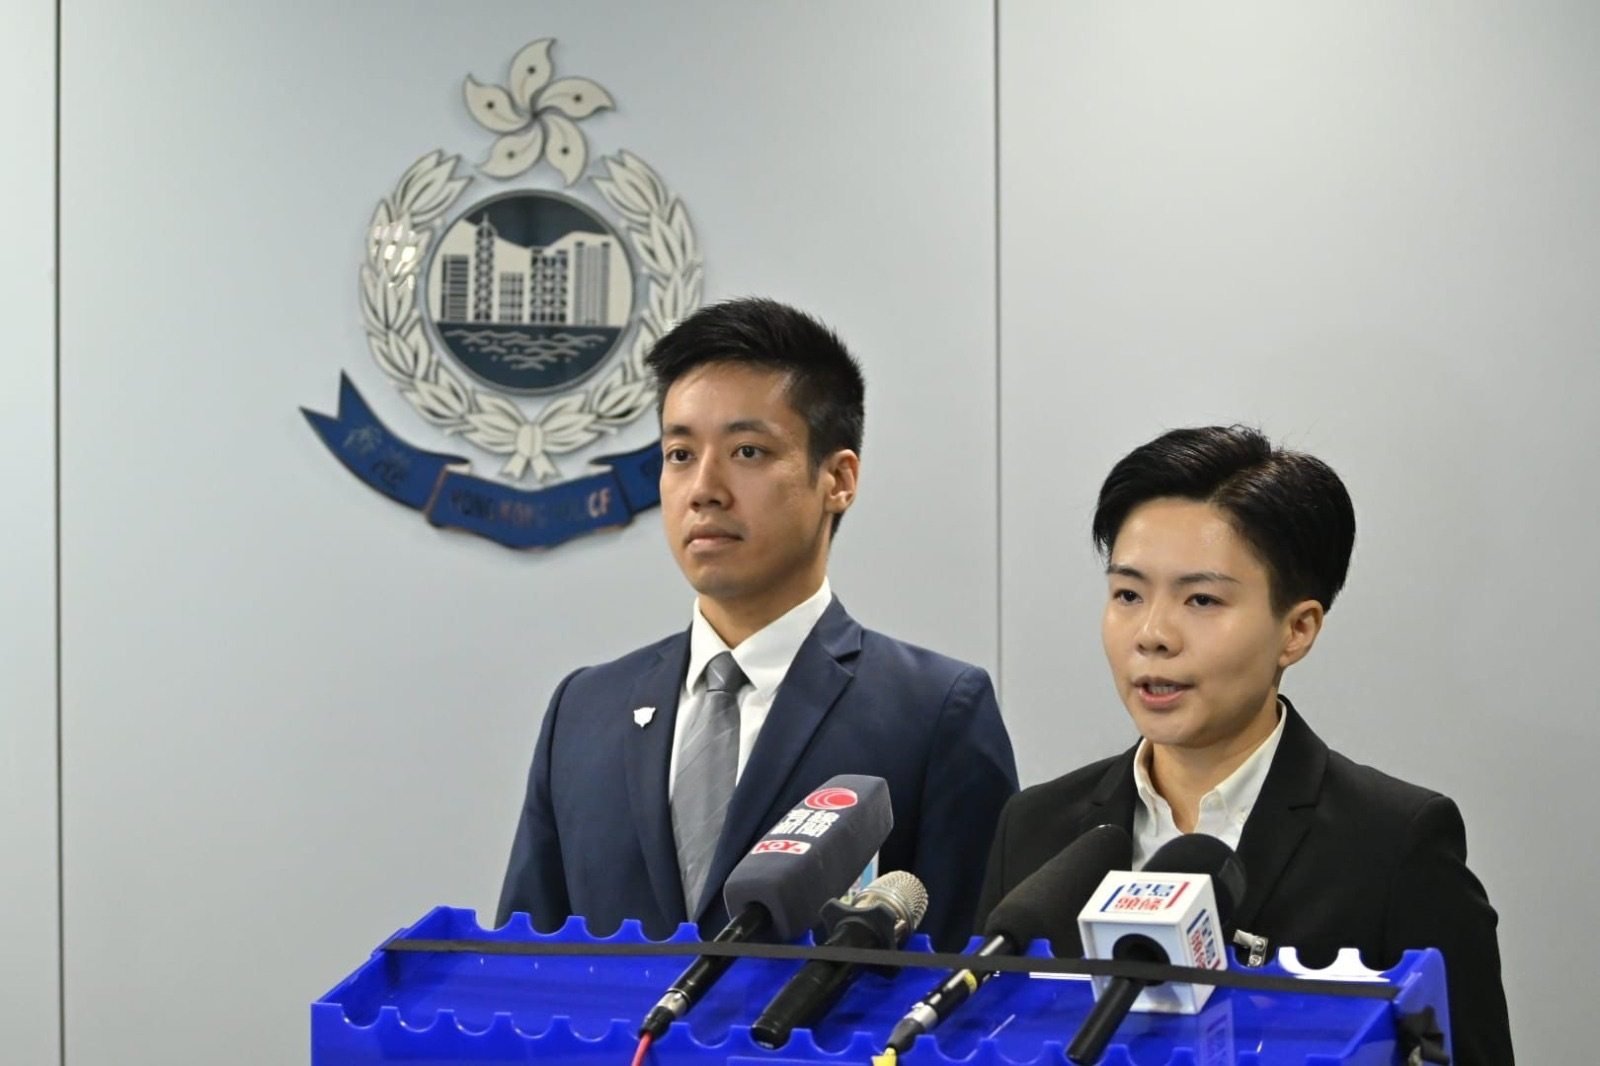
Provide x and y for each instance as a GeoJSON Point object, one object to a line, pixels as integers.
{"type": "Point", "coordinates": [1119, 570]}
{"type": "Point", "coordinates": [740, 425]}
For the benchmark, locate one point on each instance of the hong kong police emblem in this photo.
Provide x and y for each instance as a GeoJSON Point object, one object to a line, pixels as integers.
{"type": "Point", "coordinates": [516, 317]}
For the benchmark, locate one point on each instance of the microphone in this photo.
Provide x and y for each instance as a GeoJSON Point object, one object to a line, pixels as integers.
{"type": "Point", "coordinates": [1042, 906]}
{"type": "Point", "coordinates": [813, 853]}
{"type": "Point", "coordinates": [881, 915]}
{"type": "Point", "coordinates": [1180, 905]}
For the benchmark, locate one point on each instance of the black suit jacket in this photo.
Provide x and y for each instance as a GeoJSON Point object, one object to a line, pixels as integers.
{"type": "Point", "coordinates": [595, 836]}
{"type": "Point", "coordinates": [1336, 854]}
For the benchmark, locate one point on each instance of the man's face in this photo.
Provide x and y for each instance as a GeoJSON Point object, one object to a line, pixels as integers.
{"type": "Point", "coordinates": [1194, 644]}
{"type": "Point", "coordinates": [746, 519]}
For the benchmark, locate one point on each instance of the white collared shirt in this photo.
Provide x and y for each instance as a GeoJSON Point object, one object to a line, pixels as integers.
{"type": "Point", "coordinates": [1223, 810]}
{"type": "Point", "coordinates": [765, 657]}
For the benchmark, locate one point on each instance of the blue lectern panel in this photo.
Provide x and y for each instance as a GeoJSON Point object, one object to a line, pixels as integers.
{"type": "Point", "coordinates": [430, 1009]}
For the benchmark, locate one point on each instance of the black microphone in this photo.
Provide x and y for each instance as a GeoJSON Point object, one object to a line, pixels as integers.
{"type": "Point", "coordinates": [1043, 907]}
{"type": "Point", "coordinates": [1192, 853]}
{"type": "Point", "coordinates": [881, 915]}
{"type": "Point", "coordinates": [812, 854]}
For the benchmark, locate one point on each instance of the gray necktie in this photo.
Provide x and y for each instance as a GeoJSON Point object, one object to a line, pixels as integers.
{"type": "Point", "coordinates": [707, 764]}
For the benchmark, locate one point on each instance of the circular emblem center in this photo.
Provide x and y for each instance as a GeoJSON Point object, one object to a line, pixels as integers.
{"type": "Point", "coordinates": [530, 291]}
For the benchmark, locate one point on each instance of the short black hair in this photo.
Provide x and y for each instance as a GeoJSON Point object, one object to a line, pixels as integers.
{"type": "Point", "coordinates": [1291, 508]}
{"type": "Point", "coordinates": [825, 383]}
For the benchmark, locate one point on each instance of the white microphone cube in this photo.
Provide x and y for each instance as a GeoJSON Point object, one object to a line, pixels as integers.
{"type": "Point", "coordinates": [1175, 910]}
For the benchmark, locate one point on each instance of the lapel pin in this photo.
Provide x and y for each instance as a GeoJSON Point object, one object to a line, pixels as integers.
{"type": "Point", "coordinates": [642, 716]}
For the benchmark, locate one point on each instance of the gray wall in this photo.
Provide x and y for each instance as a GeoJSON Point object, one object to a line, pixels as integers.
{"type": "Point", "coordinates": [29, 929]}
{"type": "Point", "coordinates": [293, 716]}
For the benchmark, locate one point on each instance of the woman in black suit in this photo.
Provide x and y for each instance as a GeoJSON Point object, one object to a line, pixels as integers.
{"type": "Point", "coordinates": [1223, 557]}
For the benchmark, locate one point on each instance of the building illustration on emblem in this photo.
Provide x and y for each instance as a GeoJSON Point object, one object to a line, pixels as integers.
{"type": "Point", "coordinates": [485, 278]}
{"type": "Point", "coordinates": [530, 291]}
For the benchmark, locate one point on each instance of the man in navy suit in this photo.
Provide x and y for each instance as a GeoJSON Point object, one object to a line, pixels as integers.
{"type": "Point", "coordinates": [655, 773]}
{"type": "Point", "coordinates": [1223, 556]}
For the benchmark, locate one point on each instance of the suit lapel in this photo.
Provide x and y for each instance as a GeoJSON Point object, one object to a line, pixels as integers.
{"type": "Point", "coordinates": [1113, 798]}
{"type": "Point", "coordinates": [821, 669]}
{"type": "Point", "coordinates": [1277, 823]}
{"type": "Point", "coordinates": [648, 754]}
{"type": "Point", "coordinates": [1282, 813]}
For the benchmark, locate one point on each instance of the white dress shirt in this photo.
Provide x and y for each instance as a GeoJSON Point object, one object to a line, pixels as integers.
{"type": "Point", "coordinates": [764, 656]}
{"type": "Point", "coordinates": [1223, 810]}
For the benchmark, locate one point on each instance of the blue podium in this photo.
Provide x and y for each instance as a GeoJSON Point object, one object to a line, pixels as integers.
{"type": "Point", "coordinates": [431, 1008]}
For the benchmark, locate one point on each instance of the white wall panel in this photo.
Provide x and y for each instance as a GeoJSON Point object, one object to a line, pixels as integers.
{"type": "Point", "coordinates": [295, 715]}
{"type": "Point", "coordinates": [1370, 229]}
{"type": "Point", "coordinates": [30, 1006]}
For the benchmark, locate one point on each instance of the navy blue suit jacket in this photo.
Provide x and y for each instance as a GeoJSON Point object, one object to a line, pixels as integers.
{"type": "Point", "coordinates": [595, 837]}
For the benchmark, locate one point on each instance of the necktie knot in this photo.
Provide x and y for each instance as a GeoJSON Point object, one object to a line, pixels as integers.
{"type": "Point", "coordinates": [723, 674]}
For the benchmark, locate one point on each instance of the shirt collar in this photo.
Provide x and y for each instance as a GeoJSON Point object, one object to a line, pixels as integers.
{"type": "Point", "coordinates": [765, 655]}
{"type": "Point", "coordinates": [1238, 791]}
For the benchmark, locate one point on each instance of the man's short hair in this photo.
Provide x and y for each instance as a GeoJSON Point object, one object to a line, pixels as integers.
{"type": "Point", "coordinates": [1291, 508]}
{"type": "Point", "coordinates": [825, 384]}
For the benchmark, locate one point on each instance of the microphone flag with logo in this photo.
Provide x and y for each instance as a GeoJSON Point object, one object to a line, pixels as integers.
{"type": "Point", "coordinates": [1176, 911]}
{"type": "Point", "coordinates": [1041, 907]}
{"type": "Point", "coordinates": [813, 853]}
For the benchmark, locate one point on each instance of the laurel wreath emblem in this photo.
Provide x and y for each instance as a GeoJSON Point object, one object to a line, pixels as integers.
{"type": "Point", "coordinates": [537, 118]}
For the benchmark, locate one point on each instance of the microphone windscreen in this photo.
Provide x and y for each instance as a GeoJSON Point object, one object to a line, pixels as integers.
{"type": "Point", "coordinates": [903, 893]}
{"type": "Point", "coordinates": [1045, 905]}
{"type": "Point", "coordinates": [813, 854]}
{"type": "Point", "coordinates": [1197, 853]}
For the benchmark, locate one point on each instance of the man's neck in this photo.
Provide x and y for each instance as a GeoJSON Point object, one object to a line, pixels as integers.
{"type": "Point", "coordinates": [737, 620]}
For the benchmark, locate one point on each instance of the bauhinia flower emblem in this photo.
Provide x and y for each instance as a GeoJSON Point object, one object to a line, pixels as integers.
{"type": "Point", "coordinates": [535, 116]}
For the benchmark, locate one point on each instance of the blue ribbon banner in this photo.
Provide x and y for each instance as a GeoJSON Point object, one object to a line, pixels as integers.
{"type": "Point", "coordinates": [450, 496]}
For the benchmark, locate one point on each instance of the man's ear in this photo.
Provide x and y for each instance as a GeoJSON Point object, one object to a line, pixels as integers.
{"type": "Point", "coordinates": [1301, 624]}
{"type": "Point", "coordinates": [840, 472]}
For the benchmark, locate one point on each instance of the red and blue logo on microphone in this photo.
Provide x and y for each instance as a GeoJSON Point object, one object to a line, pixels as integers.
{"type": "Point", "coordinates": [1201, 936]}
{"type": "Point", "coordinates": [1145, 896]}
